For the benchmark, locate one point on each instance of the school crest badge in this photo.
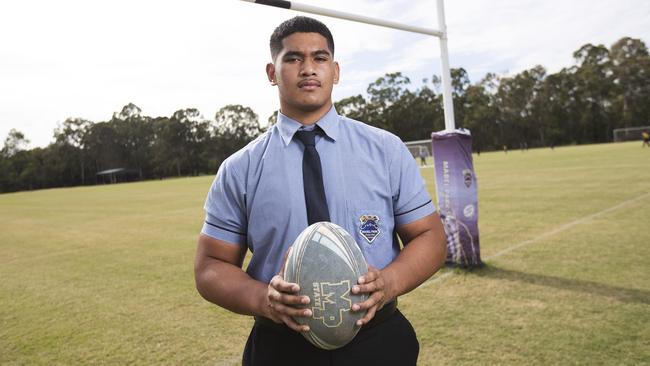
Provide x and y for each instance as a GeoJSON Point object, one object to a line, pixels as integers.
{"type": "Point", "coordinates": [369, 227]}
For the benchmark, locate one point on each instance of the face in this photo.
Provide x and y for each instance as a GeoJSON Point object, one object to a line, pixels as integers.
{"type": "Point", "coordinates": [305, 74]}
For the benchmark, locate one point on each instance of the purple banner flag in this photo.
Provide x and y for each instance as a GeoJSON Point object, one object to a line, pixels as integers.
{"type": "Point", "coordinates": [457, 195]}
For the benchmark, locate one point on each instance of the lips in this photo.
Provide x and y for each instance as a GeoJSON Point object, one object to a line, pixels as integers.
{"type": "Point", "coordinates": [309, 84]}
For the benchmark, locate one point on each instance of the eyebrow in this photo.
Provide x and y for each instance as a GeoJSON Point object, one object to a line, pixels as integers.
{"type": "Point", "coordinates": [302, 54]}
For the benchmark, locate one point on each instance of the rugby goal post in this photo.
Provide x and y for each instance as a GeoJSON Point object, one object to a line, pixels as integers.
{"type": "Point", "coordinates": [441, 34]}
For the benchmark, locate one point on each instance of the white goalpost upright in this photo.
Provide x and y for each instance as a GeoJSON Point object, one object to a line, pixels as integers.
{"type": "Point", "coordinates": [441, 33]}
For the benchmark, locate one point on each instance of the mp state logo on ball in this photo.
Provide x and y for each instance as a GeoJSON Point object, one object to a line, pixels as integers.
{"type": "Point", "coordinates": [369, 227]}
{"type": "Point", "coordinates": [331, 300]}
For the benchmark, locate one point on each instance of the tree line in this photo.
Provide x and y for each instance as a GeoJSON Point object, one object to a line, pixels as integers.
{"type": "Point", "coordinates": [606, 88]}
{"type": "Point", "coordinates": [181, 145]}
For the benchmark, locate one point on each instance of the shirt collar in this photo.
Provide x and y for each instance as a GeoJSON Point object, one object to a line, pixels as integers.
{"type": "Point", "coordinates": [329, 123]}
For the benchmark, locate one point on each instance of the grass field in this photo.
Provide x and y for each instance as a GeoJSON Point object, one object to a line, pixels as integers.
{"type": "Point", "coordinates": [104, 274]}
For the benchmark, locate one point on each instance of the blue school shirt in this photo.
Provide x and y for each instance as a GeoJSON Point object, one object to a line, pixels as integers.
{"type": "Point", "coordinates": [372, 184]}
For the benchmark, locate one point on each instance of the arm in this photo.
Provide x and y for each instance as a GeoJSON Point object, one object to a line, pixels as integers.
{"type": "Point", "coordinates": [221, 280]}
{"type": "Point", "coordinates": [423, 255]}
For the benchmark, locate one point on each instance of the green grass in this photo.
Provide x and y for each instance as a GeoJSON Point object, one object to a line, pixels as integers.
{"type": "Point", "coordinates": [105, 274]}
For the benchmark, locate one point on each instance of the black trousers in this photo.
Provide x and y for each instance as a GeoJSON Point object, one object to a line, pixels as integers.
{"type": "Point", "coordinates": [392, 342]}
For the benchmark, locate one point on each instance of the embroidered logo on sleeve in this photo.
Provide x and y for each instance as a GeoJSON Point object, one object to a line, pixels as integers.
{"type": "Point", "coordinates": [369, 227]}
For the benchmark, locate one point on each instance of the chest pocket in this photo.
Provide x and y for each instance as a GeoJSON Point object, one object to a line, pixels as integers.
{"type": "Point", "coordinates": [371, 225]}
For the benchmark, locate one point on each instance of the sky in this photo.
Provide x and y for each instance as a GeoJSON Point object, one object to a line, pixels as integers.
{"type": "Point", "coordinates": [87, 59]}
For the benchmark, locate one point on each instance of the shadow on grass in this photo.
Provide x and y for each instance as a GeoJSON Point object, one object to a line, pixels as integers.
{"type": "Point", "coordinates": [593, 288]}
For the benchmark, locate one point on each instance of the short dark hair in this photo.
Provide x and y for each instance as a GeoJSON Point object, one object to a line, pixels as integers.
{"type": "Point", "coordinates": [299, 24]}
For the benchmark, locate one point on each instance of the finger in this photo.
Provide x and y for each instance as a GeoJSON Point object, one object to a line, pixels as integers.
{"type": "Point", "coordinates": [374, 299]}
{"type": "Point", "coordinates": [368, 288]}
{"type": "Point", "coordinates": [291, 311]}
{"type": "Point", "coordinates": [368, 317]}
{"type": "Point", "coordinates": [294, 325]}
{"type": "Point", "coordinates": [281, 285]}
{"type": "Point", "coordinates": [370, 276]}
{"type": "Point", "coordinates": [276, 296]}
{"type": "Point", "coordinates": [275, 316]}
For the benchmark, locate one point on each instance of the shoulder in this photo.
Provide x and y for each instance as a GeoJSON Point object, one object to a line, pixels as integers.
{"type": "Point", "coordinates": [240, 160]}
{"type": "Point", "coordinates": [362, 132]}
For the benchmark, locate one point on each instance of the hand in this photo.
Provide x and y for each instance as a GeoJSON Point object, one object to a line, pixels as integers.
{"type": "Point", "coordinates": [372, 283]}
{"type": "Point", "coordinates": [282, 301]}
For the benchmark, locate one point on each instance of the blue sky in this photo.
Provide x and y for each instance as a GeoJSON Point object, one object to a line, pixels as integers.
{"type": "Point", "coordinates": [73, 58]}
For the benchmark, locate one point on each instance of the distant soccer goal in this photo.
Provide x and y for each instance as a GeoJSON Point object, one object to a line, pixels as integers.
{"type": "Point", "coordinates": [629, 133]}
{"type": "Point", "coordinates": [419, 148]}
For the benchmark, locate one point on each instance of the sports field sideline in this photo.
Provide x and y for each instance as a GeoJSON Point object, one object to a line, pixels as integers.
{"type": "Point", "coordinates": [104, 274]}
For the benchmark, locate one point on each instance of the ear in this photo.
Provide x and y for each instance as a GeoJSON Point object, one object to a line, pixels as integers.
{"type": "Point", "coordinates": [270, 72]}
{"type": "Point", "coordinates": [337, 72]}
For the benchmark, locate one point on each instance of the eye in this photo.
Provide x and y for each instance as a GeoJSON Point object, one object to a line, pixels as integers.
{"type": "Point", "coordinates": [292, 59]}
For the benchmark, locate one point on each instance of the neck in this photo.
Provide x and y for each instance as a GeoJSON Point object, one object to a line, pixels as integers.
{"type": "Point", "coordinates": [306, 118]}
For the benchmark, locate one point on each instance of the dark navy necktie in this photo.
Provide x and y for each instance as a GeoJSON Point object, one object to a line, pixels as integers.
{"type": "Point", "coordinates": [312, 178]}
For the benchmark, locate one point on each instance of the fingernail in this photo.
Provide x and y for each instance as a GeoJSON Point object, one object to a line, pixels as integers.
{"type": "Point", "coordinates": [362, 279]}
{"type": "Point", "coordinates": [305, 329]}
{"type": "Point", "coordinates": [359, 322]}
{"type": "Point", "coordinates": [355, 289]}
{"type": "Point", "coordinates": [355, 307]}
{"type": "Point", "coordinates": [307, 313]}
{"type": "Point", "coordinates": [305, 300]}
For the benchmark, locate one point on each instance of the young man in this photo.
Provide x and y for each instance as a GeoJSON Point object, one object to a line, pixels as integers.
{"type": "Point", "coordinates": [262, 198]}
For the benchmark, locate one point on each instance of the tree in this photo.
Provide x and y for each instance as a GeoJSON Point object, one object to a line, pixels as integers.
{"type": "Point", "coordinates": [104, 146]}
{"type": "Point", "coordinates": [383, 94]}
{"type": "Point", "coordinates": [459, 85]}
{"type": "Point", "coordinates": [179, 142]}
{"type": "Point", "coordinates": [129, 111]}
{"type": "Point", "coordinates": [135, 135]}
{"type": "Point", "coordinates": [417, 114]}
{"type": "Point", "coordinates": [559, 95]}
{"type": "Point", "coordinates": [593, 87]}
{"type": "Point", "coordinates": [14, 143]}
{"type": "Point", "coordinates": [480, 113]}
{"type": "Point", "coordinates": [631, 70]}
{"type": "Point", "coordinates": [71, 138]}
{"type": "Point", "coordinates": [235, 126]}
{"type": "Point", "coordinates": [518, 112]}
{"type": "Point", "coordinates": [354, 107]}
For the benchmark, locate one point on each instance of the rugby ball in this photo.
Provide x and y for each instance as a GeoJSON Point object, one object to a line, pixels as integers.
{"type": "Point", "coordinates": [326, 262]}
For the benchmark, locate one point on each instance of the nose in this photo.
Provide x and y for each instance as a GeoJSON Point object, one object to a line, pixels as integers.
{"type": "Point", "coordinates": [307, 68]}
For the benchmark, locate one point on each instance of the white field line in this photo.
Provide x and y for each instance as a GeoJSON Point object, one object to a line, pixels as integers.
{"type": "Point", "coordinates": [568, 226]}
{"type": "Point", "coordinates": [547, 234]}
